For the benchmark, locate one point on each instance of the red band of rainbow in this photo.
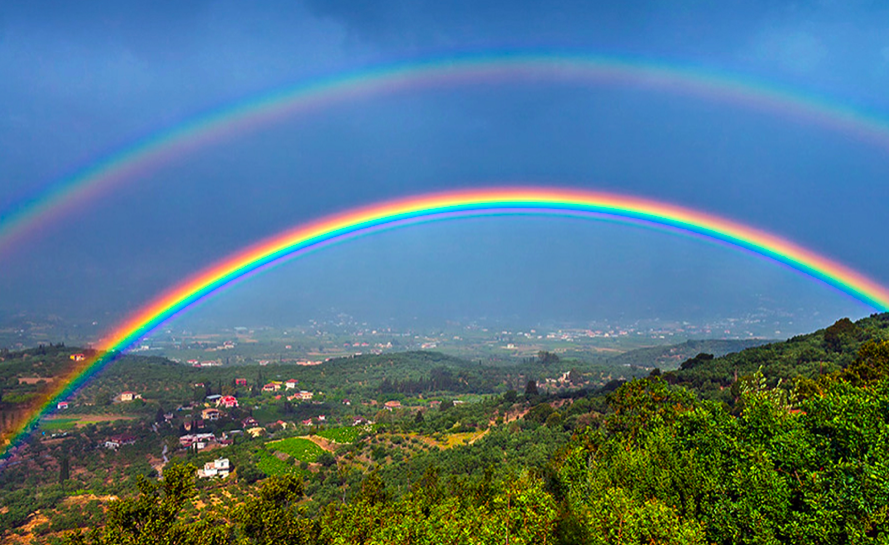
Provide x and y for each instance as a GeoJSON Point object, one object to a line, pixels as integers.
{"type": "Point", "coordinates": [486, 202]}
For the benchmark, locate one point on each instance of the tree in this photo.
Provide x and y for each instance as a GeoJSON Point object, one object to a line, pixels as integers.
{"type": "Point", "coordinates": [270, 518]}
{"type": "Point", "coordinates": [547, 358]}
{"type": "Point", "coordinates": [64, 473]}
{"type": "Point", "coordinates": [531, 389]}
{"type": "Point", "coordinates": [153, 517]}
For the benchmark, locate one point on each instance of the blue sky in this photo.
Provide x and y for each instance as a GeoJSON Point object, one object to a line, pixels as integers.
{"type": "Point", "coordinates": [81, 80]}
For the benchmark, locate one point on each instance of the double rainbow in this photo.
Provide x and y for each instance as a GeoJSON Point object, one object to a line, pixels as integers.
{"type": "Point", "coordinates": [426, 208]}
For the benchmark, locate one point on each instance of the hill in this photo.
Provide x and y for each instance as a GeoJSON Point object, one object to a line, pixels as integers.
{"type": "Point", "coordinates": [668, 358]}
{"type": "Point", "coordinates": [650, 460]}
{"type": "Point", "coordinates": [803, 357]}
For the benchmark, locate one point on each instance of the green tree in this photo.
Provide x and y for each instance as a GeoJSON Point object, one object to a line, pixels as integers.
{"type": "Point", "coordinates": [153, 517]}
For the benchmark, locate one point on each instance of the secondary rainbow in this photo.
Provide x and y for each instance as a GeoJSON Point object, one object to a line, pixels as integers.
{"type": "Point", "coordinates": [425, 208]}
{"type": "Point", "coordinates": [75, 192]}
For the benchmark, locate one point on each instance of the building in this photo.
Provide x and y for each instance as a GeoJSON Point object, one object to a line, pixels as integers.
{"type": "Point", "coordinates": [390, 405]}
{"type": "Point", "coordinates": [77, 357]}
{"type": "Point", "coordinates": [198, 440]}
{"type": "Point", "coordinates": [62, 405]}
{"type": "Point", "coordinates": [128, 396]}
{"type": "Point", "coordinates": [116, 441]}
{"type": "Point", "coordinates": [291, 384]}
{"type": "Point", "coordinates": [240, 382]}
{"type": "Point", "coordinates": [249, 422]}
{"type": "Point", "coordinates": [211, 414]}
{"type": "Point", "coordinates": [229, 402]}
{"type": "Point", "coordinates": [272, 387]}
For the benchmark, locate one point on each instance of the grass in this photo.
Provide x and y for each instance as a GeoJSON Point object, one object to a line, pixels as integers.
{"type": "Point", "coordinates": [457, 439]}
{"type": "Point", "coordinates": [272, 466]}
{"type": "Point", "coordinates": [301, 449]}
{"type": "Point", "coordinates": [58, 424]}
{"type": "Point", "coordinates": [347, 434]}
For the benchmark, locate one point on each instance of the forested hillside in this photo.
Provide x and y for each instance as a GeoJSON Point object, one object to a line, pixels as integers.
{"type": "Point", "coordinates": [789, 458]}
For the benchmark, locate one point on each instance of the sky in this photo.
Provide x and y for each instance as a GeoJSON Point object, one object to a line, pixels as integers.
{"type": "Point", "coordinates": [82, 81]}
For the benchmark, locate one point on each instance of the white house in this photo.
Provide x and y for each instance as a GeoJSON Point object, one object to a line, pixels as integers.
{"type": "Point", "coordinates": [217, 468]}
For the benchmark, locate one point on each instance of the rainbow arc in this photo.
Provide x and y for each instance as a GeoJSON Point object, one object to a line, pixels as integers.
{"type": "Point", "coordinates": [441, 206]}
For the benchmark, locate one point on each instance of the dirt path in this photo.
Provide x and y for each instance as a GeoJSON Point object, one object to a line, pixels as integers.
{"type": "Point", "coordinates": [325, 444]}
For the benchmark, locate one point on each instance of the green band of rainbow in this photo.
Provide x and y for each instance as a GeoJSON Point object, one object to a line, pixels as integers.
{"type": "Point", "coordinates": [487, 202]}
{"type": "Point", "coordinates": [126, 164]}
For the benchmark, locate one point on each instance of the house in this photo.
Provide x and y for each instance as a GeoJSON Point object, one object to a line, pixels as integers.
{"type": "Point", "coordinates": [210, 414]}
{"type": "Point", "coordinates": [359, 420]}
{"type": "Point", "coordinates": [347, 402]}
{"type": "Point", "coordinates": [116, 441]}
{"type": "Point", "coordinates": [322, 418]}
{"type": "Point", "coordinates": [62, 405]}
{"type": "Point", "coordinates": [272, 387]}
{"type": "Point", "coordinates": [228, 402]}
{"type": "Point", "coordinates": [128, 396]}
{"type": "Point", "coordinates": [77, 357]}
{"type": "Point", "coordinates": [198, 440]}
{"type": "Point", "coordinates": [240, 382]}
{"type": "Point", "coordinates": [307, 422]}
{"type": "Point", "coordinates": [212, 398]}
{"type": "Point", "coordinates": [305, 395]}
{"type": "Point", "coordinates": [291, 384]}
{"type": "Point", "coordinates": [249, 422]}
{"type": "Point", "coordinates": [390, 405]}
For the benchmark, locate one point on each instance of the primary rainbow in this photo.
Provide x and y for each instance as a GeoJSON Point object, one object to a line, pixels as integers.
{"type": "Point", "coordinates": [487, 202]}
{"type": "Point", "coordinates": [74, 192]}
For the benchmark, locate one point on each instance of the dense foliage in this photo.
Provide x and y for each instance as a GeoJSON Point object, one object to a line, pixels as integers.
{"type": "Point", "coordinates": [734, 449]}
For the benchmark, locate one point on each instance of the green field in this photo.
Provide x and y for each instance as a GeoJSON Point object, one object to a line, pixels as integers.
{"type": "Point", "coordinates": [301, 449]}
{"type": "Point", "coordinates": [272, 466]}
{"type": "Point", "coordinates": [347, 434]}
{"type": "Point", "coordinates": [58, 424]}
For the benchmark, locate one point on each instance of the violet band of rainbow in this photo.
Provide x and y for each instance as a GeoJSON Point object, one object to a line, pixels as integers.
{"type": "Point", "coordinates": [129, 161]}
{"type": "Point", "coordinates": [425, 208]}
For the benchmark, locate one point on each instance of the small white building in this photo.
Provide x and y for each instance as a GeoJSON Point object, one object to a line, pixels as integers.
{"type": "Point", "coordinates": [217, 468]}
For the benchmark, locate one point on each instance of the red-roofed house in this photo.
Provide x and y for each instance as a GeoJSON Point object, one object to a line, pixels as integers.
{"type": "Point", "coordinates": [62, 405]}
{"type": "Point", "coordinates": [392, 405]}
{"type": "Point", "coordinates": [240, 382]}
{"type": "Point", "coordinates": [117, 441]}
{"type": "Point", "coordinates": [228, 402]}
{"type": "Point", "coordinates": [129, 396]}
{"type": "Point", "coordinates": [291, 384]}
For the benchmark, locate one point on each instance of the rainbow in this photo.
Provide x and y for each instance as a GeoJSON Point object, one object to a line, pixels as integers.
{"type": "Point", "coordinates": [488, 202]}
{"type": "Point", "coordinates": [127, 163]}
